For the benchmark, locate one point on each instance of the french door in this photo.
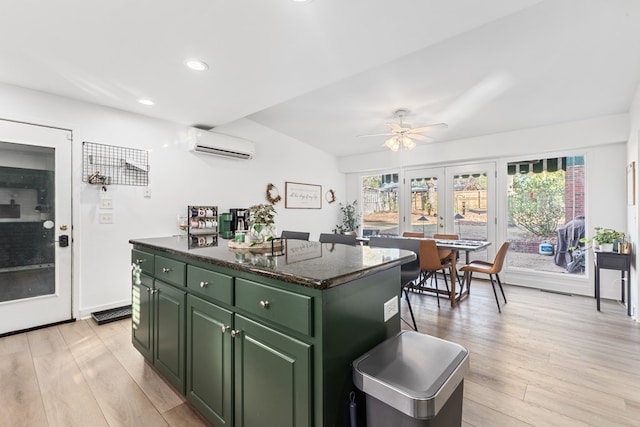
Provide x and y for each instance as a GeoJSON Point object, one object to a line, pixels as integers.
{"type": "Point", "coordinates": [456, 200]}
{"type": "Point", "coordinates": [35, 226]}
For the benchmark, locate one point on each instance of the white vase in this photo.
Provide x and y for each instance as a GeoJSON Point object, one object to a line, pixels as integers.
{"type": "Point", "coordinates": [262, 232]}
{"type": "Point", "coordinates": [606, 247]}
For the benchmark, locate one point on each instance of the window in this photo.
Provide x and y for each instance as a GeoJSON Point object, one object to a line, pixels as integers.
{"type": "Point", "coordinates": [546, 214]}
{"type": "Point", "coordinates": [380, 205]}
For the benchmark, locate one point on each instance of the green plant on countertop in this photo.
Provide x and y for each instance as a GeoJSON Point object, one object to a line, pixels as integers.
{"type": "Point", "coordinates": [604, 235]}
{"type": "Point", "coordinates": [261, 221]}
{"type": "Point", "coordinates": [350, 218]}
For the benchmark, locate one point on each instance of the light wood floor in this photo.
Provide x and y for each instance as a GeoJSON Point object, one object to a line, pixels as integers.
{"type": "Point", "coordinates": [547, 360]}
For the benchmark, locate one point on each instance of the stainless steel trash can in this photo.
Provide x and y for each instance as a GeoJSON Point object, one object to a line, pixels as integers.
{"type": "Point", "coordinates": [412, 380]}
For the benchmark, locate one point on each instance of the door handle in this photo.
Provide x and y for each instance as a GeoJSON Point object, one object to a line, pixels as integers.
{"type": "Point", "coordinates": [63, 241]}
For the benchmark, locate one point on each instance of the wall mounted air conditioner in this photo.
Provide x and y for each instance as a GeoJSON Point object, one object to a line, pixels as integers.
{"type": "Point", "coordinates": [218, 144]}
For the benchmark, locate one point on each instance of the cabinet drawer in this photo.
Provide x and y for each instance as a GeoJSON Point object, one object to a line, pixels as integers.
{"type": "Point", "coordinates": [170, 270]}
{"type": "Point", "coordinates": [613, 261]}
{"type": "Point", "coordinates": [210, 283]}
{"type": "Point", "coordinates": [144, 259]}
{"type": "Point", "coordinates": [276, 305]}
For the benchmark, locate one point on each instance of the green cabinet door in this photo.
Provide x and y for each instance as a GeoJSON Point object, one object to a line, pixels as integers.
{"type": "Point", "coordinates": [209, 364]}
{"type": "Point", "coordinates": [142, 316]}
{"type": "Point", "coordinates": [170, 331]}
{"type": "Point", "coordinates": [272, 377]}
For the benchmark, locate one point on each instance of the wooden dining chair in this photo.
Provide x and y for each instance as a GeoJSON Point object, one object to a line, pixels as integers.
{"type": "Point", "coordinates": [446, 254]}
{"type": "Point", "coordinates": [413, 234]}
{"type": "Point", "coordinates": [431, 263]}
{"type": "Point", "coordinates": [409, 271]}
{"type": "Point", "coordinates": [490, 268]}
{"type": "Point", "coordinates": [345, 239]}
{"type": "Point", "coordinates": [294, 235]}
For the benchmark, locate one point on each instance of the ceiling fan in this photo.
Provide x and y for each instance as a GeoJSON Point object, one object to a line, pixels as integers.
{"type": "Point", "coordinates": [404, 136]}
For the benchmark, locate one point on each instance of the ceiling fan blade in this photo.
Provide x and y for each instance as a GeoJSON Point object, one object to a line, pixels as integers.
{"type": "Point", "coordinates": [430, 127]}
{"type": "Point", "coordinates": [395, 127]}
{"type": "Point", "coordinates": [419, 137]}
{"type": "Point", "coordinates": [376, 134]}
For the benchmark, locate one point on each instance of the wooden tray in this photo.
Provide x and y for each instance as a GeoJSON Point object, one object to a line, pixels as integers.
{"type": "Point", "coordinates": [255, 247]}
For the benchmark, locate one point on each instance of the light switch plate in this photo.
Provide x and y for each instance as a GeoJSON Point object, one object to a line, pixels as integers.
{"type": "Point", "coordinates": [106, 203]}
{"type": "Point", "coordinates": [106, 218]}
{"type": "Point", "coordinates": [390, 308]}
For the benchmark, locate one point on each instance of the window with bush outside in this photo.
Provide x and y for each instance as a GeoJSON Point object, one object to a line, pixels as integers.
{"type": "Point", "coordinates": [546, 215]}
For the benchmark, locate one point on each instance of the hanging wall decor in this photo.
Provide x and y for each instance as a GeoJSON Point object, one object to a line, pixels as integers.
{"type": "Point", "coordinates": [631, 184]}
{"type": "Point", "coordinates": [330, 196]}
{"type": "Point", "coordinates": [273, 194]}
{"type": "Point", "coordinates": [302, 196]}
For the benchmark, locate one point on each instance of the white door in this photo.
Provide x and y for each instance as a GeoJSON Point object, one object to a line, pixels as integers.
{"type": "Point", "coordinates": [457, 199]}
{"type": "Point", "coordinates": [35, 226]}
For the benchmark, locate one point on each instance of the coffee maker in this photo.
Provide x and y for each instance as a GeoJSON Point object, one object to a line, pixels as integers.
{"type": "Point", "coordinates": [240, 219]}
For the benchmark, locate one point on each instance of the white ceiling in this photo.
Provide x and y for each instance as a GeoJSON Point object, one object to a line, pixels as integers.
{"type": "Point", "coordinates": [326, 71]}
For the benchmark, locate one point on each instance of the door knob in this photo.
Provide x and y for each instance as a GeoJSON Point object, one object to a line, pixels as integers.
{"type": "Point", "coordinates": [63, 227]}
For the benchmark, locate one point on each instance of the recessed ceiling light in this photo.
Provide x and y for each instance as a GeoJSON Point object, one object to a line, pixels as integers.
{"type": "Point", "coordinates": [196, 64]}
{"type": "Point", "coordinates": [146, 101]}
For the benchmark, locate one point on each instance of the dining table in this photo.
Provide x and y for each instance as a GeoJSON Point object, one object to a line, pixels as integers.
{"type": "Point", "coordinates": [457, 246]}
{"type": "Point", "coordinates": [462, 245]}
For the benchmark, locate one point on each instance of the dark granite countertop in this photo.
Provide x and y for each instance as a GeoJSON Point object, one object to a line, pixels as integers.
{"type": "Point", "coordinates": [312, 264]}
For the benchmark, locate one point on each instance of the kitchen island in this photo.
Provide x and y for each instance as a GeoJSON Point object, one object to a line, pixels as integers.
{"type": "Point", "coordinates": [255, 339]}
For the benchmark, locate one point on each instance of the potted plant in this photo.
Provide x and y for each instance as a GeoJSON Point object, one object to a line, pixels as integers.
{"type": "Point", "coordinates": [604, 238]}
{"type": "Point", "coordinates": [350, 218]}
{"type": "Point", "coordinates": [262, 223]}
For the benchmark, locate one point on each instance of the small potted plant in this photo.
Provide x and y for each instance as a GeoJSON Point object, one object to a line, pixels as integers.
{"type": "Point", "coordinates": [262, 223]}
{"type": "Point", "coordinates": [604, 238]}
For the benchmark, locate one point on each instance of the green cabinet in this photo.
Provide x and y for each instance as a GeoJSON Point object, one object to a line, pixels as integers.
{"type": "Point", "coordinates": [142, 316]}
{"type": "Point", "coordinates": [209, 360]}
{"type": "Point", "coordinates": [272, 377]}
{"type": "Point", "coordinates": [169, 333]}
{"type": "Point", "coordinates": [248, 350]}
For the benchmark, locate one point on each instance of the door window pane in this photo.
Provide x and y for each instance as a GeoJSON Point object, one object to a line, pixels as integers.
{"type": "Point", "coordinates": [27, 252]}
{"type": "Point", "coordinates": [470, 206]}
{"type": "Point", "coordinates": [546, 214]}
{"type": "Point", "coordinates": [380, 205]}
{"type": "Point", "coordinates": [424, 205]}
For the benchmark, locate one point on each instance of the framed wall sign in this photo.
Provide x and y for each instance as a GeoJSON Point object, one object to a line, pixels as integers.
{"type": "Point", "coordinates": [631, 184]}
{"type": "Point", "coordinates": [302, 196]}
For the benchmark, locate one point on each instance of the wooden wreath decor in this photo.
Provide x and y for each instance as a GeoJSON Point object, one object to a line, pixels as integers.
{"type": "Point", "coordinates": [331, 196]}
{"type": "Point", "coordinates": [273, 195]}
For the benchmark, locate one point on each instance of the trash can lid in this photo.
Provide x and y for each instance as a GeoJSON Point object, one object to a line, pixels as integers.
{"type": "Point", "coordinates": [412, 372]}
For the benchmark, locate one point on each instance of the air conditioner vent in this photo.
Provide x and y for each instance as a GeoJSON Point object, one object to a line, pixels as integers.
{"type": "Point", "coordinates": [218, 144]}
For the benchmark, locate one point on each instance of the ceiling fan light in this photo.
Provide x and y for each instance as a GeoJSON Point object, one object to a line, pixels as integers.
{"type": "Point", "coordinates": [408, 143]}
{"type": "Point", "coordinates": [392, 143]}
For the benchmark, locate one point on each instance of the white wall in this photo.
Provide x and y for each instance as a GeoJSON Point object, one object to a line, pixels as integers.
{"type": "Point", "coordinates": [633, 155]}
{"type": "Point", "coordinates": [177, 178]}
{"type": "Point", "coordinates": [602, 140]}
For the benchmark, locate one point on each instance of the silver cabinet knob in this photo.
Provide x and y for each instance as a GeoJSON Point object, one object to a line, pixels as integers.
{"type": "Point", "coordinates": [234, 333]}
{"type": "Point", "coordinates": [225, 328]}
{"type": "Point", "coordinates": [264, 304]}
{"type": "Point", "coordinates": [154, 291]}
{"type": "Point", "coordinates": [140, 261]}
{"type": "Point", "coordinates": [204, 284]}
{"type": "Point", "coordinates": [166, 269]}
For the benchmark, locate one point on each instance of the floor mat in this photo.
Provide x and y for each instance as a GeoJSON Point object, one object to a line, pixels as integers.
{"type": "Point", "coordinates": [106, 316]}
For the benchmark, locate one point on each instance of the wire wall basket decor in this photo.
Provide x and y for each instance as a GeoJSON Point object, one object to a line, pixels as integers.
{"type": "Point", "coordinates": [108, 164]}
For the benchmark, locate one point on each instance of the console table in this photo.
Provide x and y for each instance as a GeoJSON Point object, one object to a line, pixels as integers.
{"type": "Point", "coordinates": [613, 261]}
